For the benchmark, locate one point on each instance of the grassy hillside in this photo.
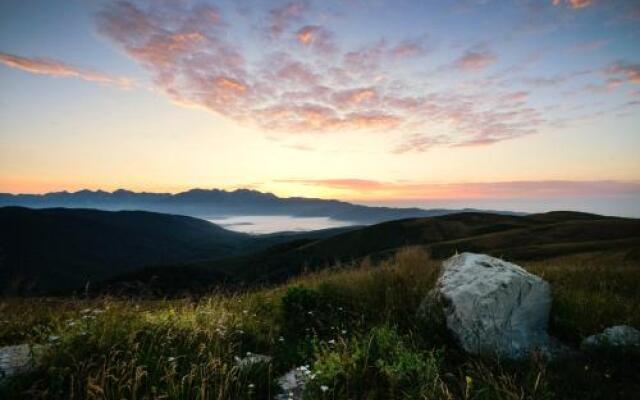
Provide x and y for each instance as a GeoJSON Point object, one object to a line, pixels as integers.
{"type": "Point", "coordinates": [64, 248]}
{"type": "Point", "coordinates": [521, 238]}
{"type": "Point", "coordinates": [354, 327]}
{"type": "Point", "coordinates": [58, 249]}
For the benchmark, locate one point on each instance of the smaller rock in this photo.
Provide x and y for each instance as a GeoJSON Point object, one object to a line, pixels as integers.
{"type": "Point", "coordinates": [615, 336]}
{"type": "Point", "coordinates": [292, 384]}
{"type": "Point", "coordinates": [18, 359]}
{"type": "Point", "coordinates": [252, 359]}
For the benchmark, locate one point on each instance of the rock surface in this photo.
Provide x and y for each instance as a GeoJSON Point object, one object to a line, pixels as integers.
{"type": "Point", "coordinates": [493, 306]}
{"type": "Point", "coordinates": [292, 383]}
{"type": "Point", "coordinates": [252, 359]}
{"type": "Point", "coordinates": [615, 336]}
{"type": "Point", "coordinates": [17, 359]}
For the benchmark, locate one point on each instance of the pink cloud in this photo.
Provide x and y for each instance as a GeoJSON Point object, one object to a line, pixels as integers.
{"type": "Point", "coordinates": [46, 66]}
{"type": "Point", "coordinates": [420, 143]}
{"type": "Point", "coordinates": [475, 59]}
{"type": "Point", "coordinates": [409, 48]}
{"type": "Point", "coordinates": [297, 72]}
{"type": "Point", "coordinates": [366, 58]}
{"type": "Point", "coordinates": [622, 72]}
{"type": "Point", "coordinates": [281, 17]}
{"type": "Point", "coordinates": [356, 97]}
{"type": "Point", "coordinates": [317, 118]}
{"type": "Point", "coordinates": [574, 4]}
{"type": "Point", "coordinates": [194, 57]}
{"type": "Point", "coordinates": [315, 37]}
{"type": "Point", "coordinates": [515, 97]}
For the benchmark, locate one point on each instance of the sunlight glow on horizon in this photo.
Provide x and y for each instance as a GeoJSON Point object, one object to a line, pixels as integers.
{"type": "Point", "coordinates": [303, 98]}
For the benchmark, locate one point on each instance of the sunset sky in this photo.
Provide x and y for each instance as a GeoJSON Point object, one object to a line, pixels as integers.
{"type": "Point", "coordinates": [461, 103]}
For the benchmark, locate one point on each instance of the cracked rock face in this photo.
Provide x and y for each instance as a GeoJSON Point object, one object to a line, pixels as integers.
{"type": "Point", "coordinates": [494, 307]}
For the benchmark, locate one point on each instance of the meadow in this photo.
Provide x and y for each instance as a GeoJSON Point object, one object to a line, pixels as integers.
{"type": "Point", "coordinates": [353, 331]}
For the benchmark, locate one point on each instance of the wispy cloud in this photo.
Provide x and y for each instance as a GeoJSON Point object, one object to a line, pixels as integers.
{"type": "Point", "coordinates": [280, 18]}
{"type": "Point", "coordinates": [418, 143]}
{"type": "Point", "coordinates": [476, 58]}
{"type": "Point", "coordinates": [50, 67]}
{"type": "Point", "coordinates": [194, 56]}
{"type": "Point", "coordinates": [573, 4]}
{"type": "Point", "coordinates": [623, 72]}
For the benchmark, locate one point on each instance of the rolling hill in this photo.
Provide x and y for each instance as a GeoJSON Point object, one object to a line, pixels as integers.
{"type": "Point", "coordinates": [57, 249]}
{"type": "Point", "coordinates": [521, 238]}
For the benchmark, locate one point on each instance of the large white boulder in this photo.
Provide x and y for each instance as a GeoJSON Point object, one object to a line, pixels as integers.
{"type": "Point", "coordinates": [493, 306]}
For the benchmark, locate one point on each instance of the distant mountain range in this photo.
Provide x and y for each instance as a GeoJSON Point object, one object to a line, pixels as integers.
{"type": "Point", "coordinates": [203, 203]}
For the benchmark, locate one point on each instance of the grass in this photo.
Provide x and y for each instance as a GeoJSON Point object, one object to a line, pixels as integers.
{"type": "Point", "coordinates": [353, 328]}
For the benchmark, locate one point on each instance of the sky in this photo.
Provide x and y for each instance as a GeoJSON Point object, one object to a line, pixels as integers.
{"type": "Point", "coordinates": [529, 104]}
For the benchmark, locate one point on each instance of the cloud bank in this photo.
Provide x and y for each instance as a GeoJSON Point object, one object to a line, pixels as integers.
{"type": "Point", "coordinates": [305, 83]}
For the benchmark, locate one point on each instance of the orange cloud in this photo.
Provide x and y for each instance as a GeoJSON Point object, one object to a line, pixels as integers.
{"type": "Point", "coordinates": [475, 190]}
{"type": "Point", "coordinates": [622, 72]}
{"type": "Point", "coordinates": [350, 184]}
{"type": "Point", "coordinates": [305, 35]}
{"type": "Point", "coordinates": [45, 66]}
{"type": "Point", "coordinates": [231, 85]}
{"type": "Point", "coordinates": [355, 97]}
{"type": "Point", "coordinates": [189, 52]}
{"type": "Point", "coordinates": [316, 37]}
{"type": "Point", "coordinates": [371, 121]}
{"type": "Point", "coordinates": [575, 4]}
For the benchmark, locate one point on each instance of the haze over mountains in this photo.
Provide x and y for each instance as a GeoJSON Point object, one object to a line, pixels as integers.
{"type": "Point", "coordinates": [203, 203]}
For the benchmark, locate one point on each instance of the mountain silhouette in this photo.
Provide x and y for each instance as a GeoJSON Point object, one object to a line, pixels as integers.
{"type": "Point", "coordinates": [204, 203]}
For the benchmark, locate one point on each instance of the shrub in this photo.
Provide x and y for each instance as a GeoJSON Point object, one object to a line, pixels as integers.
{"type": "Point", "coordinates": [378, 365]}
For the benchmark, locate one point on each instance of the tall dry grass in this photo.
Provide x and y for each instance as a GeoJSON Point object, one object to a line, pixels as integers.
{"type": "Point", "coordinates": [354, 326]}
